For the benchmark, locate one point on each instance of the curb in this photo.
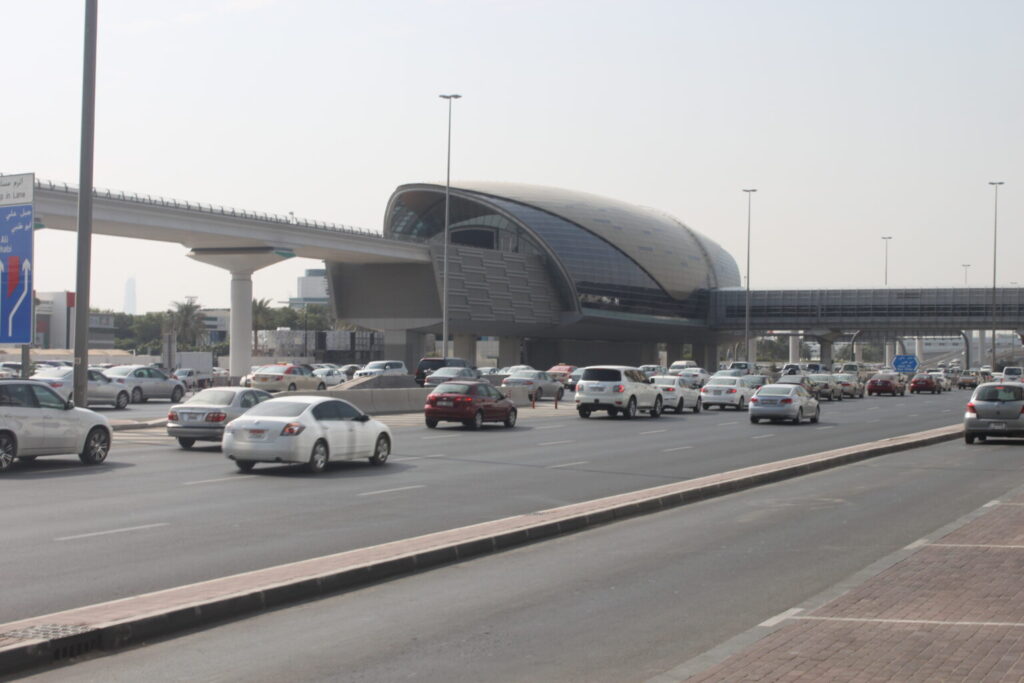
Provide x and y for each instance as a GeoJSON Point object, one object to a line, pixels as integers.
{"type": "Point", "coordinates": [52, 638]}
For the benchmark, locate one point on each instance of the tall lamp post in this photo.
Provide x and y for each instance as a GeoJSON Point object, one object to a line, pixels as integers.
{"type": "Point", "coordinates": [447, 214]}
{"type": "Point", "coordinates": [885, 267]}
{"type": "Point", "coordinates": [965, 266]}
{"type": "Point", "coordinates": [995, 227]}
{"type": "Point", "coordinates": [746, 318]}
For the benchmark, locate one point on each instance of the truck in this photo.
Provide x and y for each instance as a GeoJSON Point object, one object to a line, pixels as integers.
{"type": "Point", "coordinates": [201, 365]}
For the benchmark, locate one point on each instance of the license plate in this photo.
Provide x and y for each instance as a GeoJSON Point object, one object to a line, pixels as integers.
{"type": "Point", "coordinates": [190, 417]}
{"type": "Point", "coordinates": [257, 434]}
{"type": "Point", "coordinates": [768, 403]}
{"type": "Point", "coordinates": [595, 388]}
{"type": "Point", "coordinates": [716, 393]}
{"type": "Point", "coordinates": [997, 425]}
{"type": "Point", "coordinates": [445, 404]}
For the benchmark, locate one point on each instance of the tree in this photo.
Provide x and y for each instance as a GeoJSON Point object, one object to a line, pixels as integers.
{"type": "Point", "coordinates": [187, 320]}
{"type": "Point", "coordinates": [261, 319]}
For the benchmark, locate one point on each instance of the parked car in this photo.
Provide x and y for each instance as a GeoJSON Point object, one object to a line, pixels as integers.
{"type": "Point", "coordinates": [286, 377]}
{"type": "Point", "coordinates": [144, 382]}
{"type": "Point", "coordinates": [382, 367]}
{"type": "Point", "coordinates": [678, 393]}
{"type": "Point", "coordinates": [449, 373]}
{"type": "Point", "coordinates": [887, 383]}
{"type": "Point", "coordinates": [310, 430]}
{"type": "Point", "coordinates": [470, 402]}
{"type": "Point", "coordinates": [204, 416]}
{"type": "Point", "coordinates": [187, 376]}
{"type": "Point", "coordinates": [996, 409]}
{"type": "Point", "coordinates": [826, 386]}
{"type": "Point", "coordinates": [852, 385]}
{"type": "Point", "coordinates": [725, 391]}
{"type": "Point", "coordinates": [617, 389]}
{"type": "Point", "coordinates": [784, 402]}
{"type": "Point", "coordinates": [35, 420]}
{"type": "Point", "coordinates": [430, 364]}
{"type": "Point", "coordinates": [925, 382]}
{"type": "Point", "coordinates": [331, 377]}
{"type": "Point", "coordinates": [538, 383]}
{"type": "Point", "coordinates": [101, 389]}
{"type": "Point", "coordinates": [561, 372]}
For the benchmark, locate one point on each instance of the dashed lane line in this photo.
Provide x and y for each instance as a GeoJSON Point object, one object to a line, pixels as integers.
{"type": "Point", "coordinates": [677, 448]}
{"type": "Point", "coordinates": [567, 464]}
{"type": "Point", "coordinates": [113, 531]}
{"type": "Point", "coordinates": [554, 443]}
{"type": "Point", "coordinates": [654, 431]}
{"type": "Point", "coordinates": [762, 436]}
{"type": "Point", "coordinates": [400, 488]}
{"type": "Point", "coordinates": [212, 481]}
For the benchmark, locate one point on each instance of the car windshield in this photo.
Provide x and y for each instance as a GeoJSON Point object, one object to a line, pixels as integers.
{"type": "Point", "coordinates": [1011, 371]}
{"type": "Point", "coordinates": [447, 372]}
{"type": "Point", "coordinates": [273, 370]}
{"type": "Point", "coordinates": [376, 365]}
{"type": "Point", "coordinates": [451, 388]}
{"type": "Point", "coordinates": [775, 391]}
{"type": "Point", "coordinates": [119, 371]}
{"type": "Point", "coordinates": [52, 372]}
{"type": "Point", "coordinates": [528, 374]}
{"type": "Point", "coordinates": [213, 397]}
{"type": "Point", "coordinates": [275, 408]}
{"type": "Point", "coordinates": [1000, 393]}
{"type": "Point", "coordinates": [723, 381]}
{"type": "Point", "coordinates": [601, 375]}
{"type": "Point", "coordinates": [923, 377]}
{"type": "Point", "coordinates": [432, 363]}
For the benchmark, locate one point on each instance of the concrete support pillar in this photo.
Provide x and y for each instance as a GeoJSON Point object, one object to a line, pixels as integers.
{"type": "Point", "coordinates": [706, 355]}
{"type": "Point", "coordinates": [794, 349]}
{"type": "Point", "coordinates": [983, 349]}
{"type": "Point", "coordinates": [752, 350]}
{"type": "Point", "coordinates": [509, 351]}
{"type": "Point", "coordinates": [919, 348]}
{"type": "Point", "coordinates": [858, 352]}
{"type": "Point", "coordinates": [674, 352]}
{"type": "Point", "coordinates": [465, 348]}
{"type": "Point", "coordinates": [240, 325]}
{"type": "Point", "coordinates": [890, 351]}
{"type": "Point", "coordinates": [826, 354]}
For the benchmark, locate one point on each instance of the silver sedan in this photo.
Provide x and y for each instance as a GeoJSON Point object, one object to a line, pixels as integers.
{"type": "Point", "coordinates": [101, 389]}
{"type": "Point", "coordinates": [537, 383]}
{"type": "Point", "coordinates": [144, 382]}
{"type": "Point", "coordinates": [204, 416]}
{"type": "Point", "coordinates": [784, 402]}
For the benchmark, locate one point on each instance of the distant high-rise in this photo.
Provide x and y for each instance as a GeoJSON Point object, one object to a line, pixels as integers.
{"type": "Point", "coordinates": [129, 296]}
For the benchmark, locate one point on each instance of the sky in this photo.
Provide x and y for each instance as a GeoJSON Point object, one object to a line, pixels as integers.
{"type": "Point", "coordinates": [852, 120]}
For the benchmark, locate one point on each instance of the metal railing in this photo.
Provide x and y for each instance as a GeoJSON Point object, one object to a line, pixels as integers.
{"type": "Point", "coordinates": [210, 209]}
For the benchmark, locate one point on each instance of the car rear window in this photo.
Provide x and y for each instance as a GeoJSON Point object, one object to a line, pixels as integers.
{"type": "Point", "coordinates": [665, 381]}
{"type": "Point", "coordinates": [452, 388]}
{"type": "Point", "coordinates": [887, 378]}
{"type": "Point", "coordinates": [213, 397]}
{"type": "Point", "coordinates": [274, 408]}
{"type": "Point", "coordinates": [1000, 393]}
{"type": "Point", "coordinates": [723, 381]}
{"type": "Point", "coordinates": [273, 369]}
{"type": "Point", "coordinates": [775, 391]}
{"type": "Point", "coordinates": [601, 375]}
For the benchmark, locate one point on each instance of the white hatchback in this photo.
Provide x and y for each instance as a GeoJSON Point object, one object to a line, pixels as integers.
{"type": "Point", "coordinates": [726, 391]}
{"type": "Point", "coordinates": [678, 393]}
{"type": "Point", "coordinates": [618, 389]}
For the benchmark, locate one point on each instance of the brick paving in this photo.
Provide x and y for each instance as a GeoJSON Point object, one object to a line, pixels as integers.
{"type": "Point", "coordinates": [953, 610]}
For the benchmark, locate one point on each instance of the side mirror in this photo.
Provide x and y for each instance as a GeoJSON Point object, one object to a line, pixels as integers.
{"type": "Point", "coordinates": [69, 404]}
{"type": "Point", "coordinates": [363, 418]}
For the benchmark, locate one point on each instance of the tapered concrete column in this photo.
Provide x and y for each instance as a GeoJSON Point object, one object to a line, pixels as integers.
{"type": "Point", "coordinates": [794, 349]}
{"type": "Point", "coordinates": [890, 351]}
{"type": "Point", "coordinates": [983, 349]}
{"type": "Point", "coordinates": [509, 351]}
{"type": "Point", "coordinates": [858, 352]}
{"type": "Point", "coordinates": [826, 354]}
{"type": "Point", "coordinates": [919, 348]}
{"type": "Point", "coordinates": [465, 348]}
{"type": "Point", "coordinates": [752, 350]}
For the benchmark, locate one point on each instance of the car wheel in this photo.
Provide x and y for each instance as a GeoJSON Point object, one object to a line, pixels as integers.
{"type": "Point", "coordinates": [656, 410]}
{"type": "Point", "coordinates": [477, 422]}
{"type": "Point", "coordinates": [97, 445]}
{"type": "Point", "coordinates": [121, 402]}
{"type": "Point", "coordinates": [245, 465]}
{"type": "Point", "coordinates": [8, 451]}
{"type": "Point", "coordinates": [817, 415]}
{"type": "Point", "coordinates": [513, 415]}
{"type": "Point", "coordinates": [754, 420]}
{"type": "Point", "coordinates": [137, 396]}
{"type": "Point", "coordinates": [630, 411]}
{"type": "Point", "coordinates": [840, 396]}
{"type": "Point", "coordinates": [680, 407]}
{"type": "Point", "coordinates": [698, 405]}
{"type": "Point", "coordinates": [186, 443]}
{"type": "Point", "coordinates": [969, 438]}
{"type": "Point", "coordinates": [799, 416]}
{"type": "Point", "coordinates": [176, 394]}
{"type": "Point", "coordinates": [741, 405]}
{"type": "Point", "coordinates": [291, 387]}
{"type": "Point", "coordinates": [381, 450]}
{"type": "Point", "coordinates": [431, 422]}
{"type": "Point", "coordinates": [584, 413]}
{"type": "Point", "coordinates": [318, 458]}
{"type": "Point", "coordinates": [321, 386]}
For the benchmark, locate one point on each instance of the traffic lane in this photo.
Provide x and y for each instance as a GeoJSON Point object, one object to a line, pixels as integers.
{"type": "Point", "coordinates": [622, 602]}
{"type": "Point", "coordinates": [226, 523]}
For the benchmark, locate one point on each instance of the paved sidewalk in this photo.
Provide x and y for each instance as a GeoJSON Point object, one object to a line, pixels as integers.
{"type": "Point", "coordinates": [951, 610]}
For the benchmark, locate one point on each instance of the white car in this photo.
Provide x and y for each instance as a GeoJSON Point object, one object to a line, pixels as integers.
{"type": "Point", "coordinates": [652, 370]}
{"type": "Point", "coordinates": [698, 376]}
{"type": "Point", "coordinates": [35, 420]}
{"type": "Point", "coordinates": [310, 430]}
{"type": "Point", "coordinates": [101, 389]}
{"type": "Point", "coordinates": [678, 366]}
{"type": "Point", "coordinates": [944, 380]}
{"type": "Point", "coordinates": [145, 382]}
{"type": "Point", "coordinates": [332, 377]}
{"type": "Point", "coordinates": [382, 367]}
{"type": "Point", "coordinates": [618, 389]}
{"type": "Point", "coordinates": [725, 391]}
{"type": "Point", "coordinates": [678, 393]}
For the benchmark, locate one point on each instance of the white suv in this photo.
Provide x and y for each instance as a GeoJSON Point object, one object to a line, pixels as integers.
{"type": "Point", "coordinates": [382, 367]}
{"type": "Point", "coordinates": [618, 389]}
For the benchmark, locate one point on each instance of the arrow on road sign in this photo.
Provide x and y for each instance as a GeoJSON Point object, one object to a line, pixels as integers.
{"type": "Point", "coordinates": [26, 268]}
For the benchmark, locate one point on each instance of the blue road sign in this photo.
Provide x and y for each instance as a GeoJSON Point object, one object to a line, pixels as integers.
{"type": "Point", "coordinates": [904, 363]}
{"type": "Point", "coordinates": [16, 254]}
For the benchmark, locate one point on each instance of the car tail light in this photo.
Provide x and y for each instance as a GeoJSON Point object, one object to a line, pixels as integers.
{"type": "Point", "coordinates": [786, 400]}
{"type": "Point", "coordinates": [172, 416]}
{"type": "Point", "coordinates": [216, 417]}
{"type": "Point", "coordinates": [619, 388]}
{"type": "Point", "coordinates": [56, 385]}
{"type": "Point", "coordinates": [464, 399]}
{"type": "Point", "coordinates": [668, 389]}
{"type": "Point", "coordinates": [753, 399]}
{"type": "Point", "coordinates": [731, 391]}
{"type": "Point", "coordinates": [703, 390]}
{"type": "Point", "coordinates": [278, 378]}
{"type": "Point", "coordinates": [292, 429]}
{"type": "Point", "coordinates": [971, 409]}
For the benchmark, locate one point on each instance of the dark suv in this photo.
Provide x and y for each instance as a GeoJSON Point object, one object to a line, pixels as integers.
{"type": "Point", "coordinates": [427, 365]}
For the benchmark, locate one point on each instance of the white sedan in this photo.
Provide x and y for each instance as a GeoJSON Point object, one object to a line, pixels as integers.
{"type": "Point", "coordinates": [678, 393]}
{"type": "Point", "coordinates": [311, 430]}
{"type": "Point", "coordinates": [725, 391]}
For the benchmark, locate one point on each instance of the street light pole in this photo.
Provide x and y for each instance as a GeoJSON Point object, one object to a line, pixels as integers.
{"type": "Point", "coordinates": [995, 227]}
{"type": "Point", "coordinates": [746, 318]}
{"type": "Point", "coordinates": [965, 267]}
{"type": "Point", "coordinates": [447, 215]}
{"type": "Point", "coordinates": [886, 239]}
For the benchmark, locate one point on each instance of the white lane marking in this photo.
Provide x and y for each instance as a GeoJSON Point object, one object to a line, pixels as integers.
{"type": "Point", "coordinates": [781, 617]}
{"type": "Point", "coordinates": [762, 436]}
{"type": "Point", "coordinates": [936, 622]}
{"type": "Point", "coordinates": [979, 545]}
{"type": "Point", "coordinates": [726, 424]}
{"type": "Point", "coordinates": [210, 481]}
{"type": "Point", "coordinates": [875, 408]}
{"type": "Point", "coordinates": [400, 488]}
{"type": "Point", "coordinates": [991, 504]}
{"type": "Point", "coordinates": [567, 464]}
{"type": "Point", "coordinates": [677, 448]}
{"type": "Point", "coordinates": [442, 436]}
{"type": "Point", "coordinates": [113, 531]}
{"type": "Point", "coordinates": [420, 457]}
{"type": "Point", "coordinates": [553, 443]}
{"type": "Point", "coordinates": [820, 428]}
{"type": "Point", "coordinates": [654, 431]}
{"type": "Point", "coordinates": [917, 544]}
{"type": "Point", "coordinates": [550, 427]}
{"type": "Point", "coordinates": [948, 411]}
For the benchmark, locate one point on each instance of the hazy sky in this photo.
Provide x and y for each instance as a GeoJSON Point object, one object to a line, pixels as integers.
{"type": "Point", "coordinates": [852, 119]}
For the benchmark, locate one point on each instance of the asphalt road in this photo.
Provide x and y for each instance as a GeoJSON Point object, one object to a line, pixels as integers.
{"type": "Point", "coordinates": [622, 602]}
{"type": "Point", "coordinates": [155, 516]}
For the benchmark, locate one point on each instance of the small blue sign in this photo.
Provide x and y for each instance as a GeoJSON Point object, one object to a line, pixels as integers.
{"type": "Point", "coordinates": [16, 300]}
{"type": "Point", "coordinates": [904, 363]}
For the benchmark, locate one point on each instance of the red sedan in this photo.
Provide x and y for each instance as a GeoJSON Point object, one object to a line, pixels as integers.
{"type": "Point", "coordinates": [925, 382]}
{"type": "Point", "coordinates": [886, 384]}
{"type": "Point", "coordinates": [471, 403]}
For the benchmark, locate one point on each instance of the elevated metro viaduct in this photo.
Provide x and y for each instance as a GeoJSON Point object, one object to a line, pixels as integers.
{"type": "Point", "coordinates": [554, 274]}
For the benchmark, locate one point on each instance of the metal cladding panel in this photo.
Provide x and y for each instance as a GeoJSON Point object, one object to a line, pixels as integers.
{"type": "Point", "coordinates": [679, 259]}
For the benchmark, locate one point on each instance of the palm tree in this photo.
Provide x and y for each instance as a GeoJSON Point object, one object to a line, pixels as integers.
{"type": "Point", "coordinates": [261, 316]}
{"type": "Point", "coordinates": [187, 321]}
